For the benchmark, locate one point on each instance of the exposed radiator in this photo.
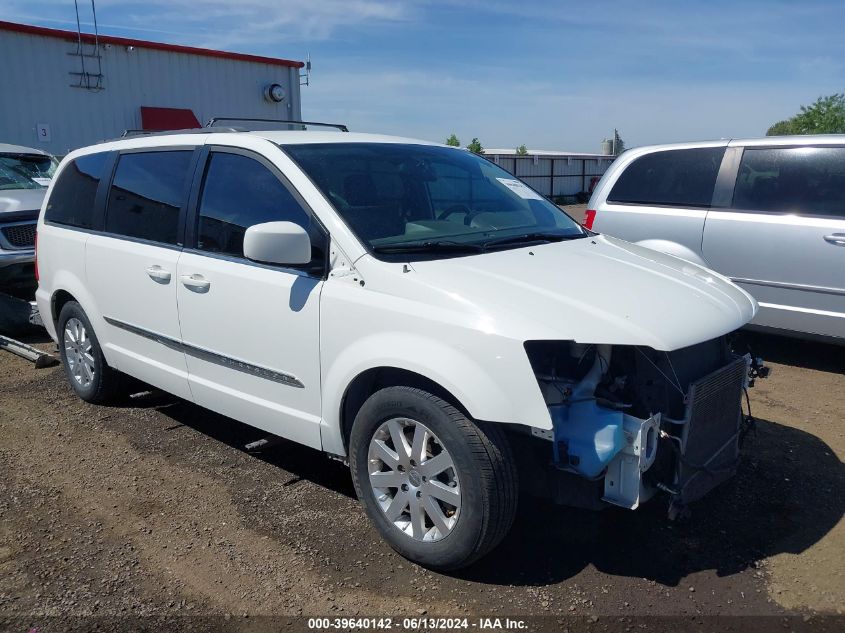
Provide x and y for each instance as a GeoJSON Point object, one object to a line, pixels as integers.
{"type": "Point", "coordinates": [710, 438]}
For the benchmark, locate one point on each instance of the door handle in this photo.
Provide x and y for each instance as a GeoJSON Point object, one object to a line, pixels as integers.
{"type": "Point", "coordinates": [837, 239]}
{"type": "Point", "coordinates": [195, 282]}
{"type": "Point", "coordinates": [157, 273]}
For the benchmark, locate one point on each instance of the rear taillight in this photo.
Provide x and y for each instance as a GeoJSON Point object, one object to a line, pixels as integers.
{"type": "Point", "coordinates": [589, 218]}
{"type": "Point", "coordinates": [36, 256]}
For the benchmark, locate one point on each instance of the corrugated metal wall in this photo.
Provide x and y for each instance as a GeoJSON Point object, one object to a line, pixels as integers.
{"type": "Point", "coordinates": [35, 88]}
{"type": "Point", "coordinates": [572, 174]}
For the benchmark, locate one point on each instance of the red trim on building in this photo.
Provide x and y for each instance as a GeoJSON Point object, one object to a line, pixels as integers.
{"type": "Point", "coordinates": [88, 38]}
{"type": "Point", "coordinates": [157, 119]}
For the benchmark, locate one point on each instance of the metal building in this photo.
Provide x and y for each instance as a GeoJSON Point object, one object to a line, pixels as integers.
{"type": "Point", "coordinates": [65, 89]}
{"type": "Point", "coordinates": [553, 173]}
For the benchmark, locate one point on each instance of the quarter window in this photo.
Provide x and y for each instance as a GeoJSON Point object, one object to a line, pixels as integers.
{"type": "Point", "coordinates": [680, 178]}
{"type": "Point", "coordinates": [808, 180]}
{"type": "Point", "coordinates": [72, 199]}
{"type": "Point", "coordinates": [239, 192]}
{"type": "Point", "coordinates": [146, 194]}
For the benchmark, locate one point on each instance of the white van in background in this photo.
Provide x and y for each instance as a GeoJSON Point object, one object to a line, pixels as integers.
{"type": "Point", "coordinates": [25, 174]}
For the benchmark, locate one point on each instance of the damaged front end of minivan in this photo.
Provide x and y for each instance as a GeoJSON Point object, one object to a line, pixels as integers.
{"type": "Point", "coordinates": [629, 421]}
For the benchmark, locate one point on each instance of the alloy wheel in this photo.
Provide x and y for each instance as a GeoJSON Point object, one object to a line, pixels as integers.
{"type": "Point", "coordinates": [79, 352]}
{"type": "Point", "coordinates": [414, 479]}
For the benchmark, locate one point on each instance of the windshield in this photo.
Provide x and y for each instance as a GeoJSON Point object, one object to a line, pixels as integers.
{"type": "Point", "coordinates": [26, 171]}
{"type": "Point", "coordinates": [422, 200]}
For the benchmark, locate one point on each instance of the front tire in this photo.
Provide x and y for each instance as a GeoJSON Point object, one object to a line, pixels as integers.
{"type": "Point", "coordinates": [440, 488]}
{"type": "Point", "coordinates": [82, 357]}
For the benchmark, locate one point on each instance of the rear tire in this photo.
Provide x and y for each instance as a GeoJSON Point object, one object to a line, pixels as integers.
{"type": "Point", "coordinates": [82, 357]}
{"type": "Point", "coordinates": [448, 495]}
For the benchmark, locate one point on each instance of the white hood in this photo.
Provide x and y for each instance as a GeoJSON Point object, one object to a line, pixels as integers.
{"type": "Point", "coordinates": [21, 199]}
{"type": "Point", "coordinates": [593, 290]}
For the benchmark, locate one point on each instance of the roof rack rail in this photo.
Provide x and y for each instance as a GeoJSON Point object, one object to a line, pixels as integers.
{"type": "Point", "coordinates": [138, 132]}
{"type": "Point", "coordinates": [192, 130]}
{"type": "Point", "coordinates": [214, 120]}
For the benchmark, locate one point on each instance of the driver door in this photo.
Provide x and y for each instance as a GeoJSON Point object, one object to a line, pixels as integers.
{"type": "Point", "coordinates": [250, 331]}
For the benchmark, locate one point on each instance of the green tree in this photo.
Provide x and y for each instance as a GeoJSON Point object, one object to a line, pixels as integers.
{"type": "Point", "coordinates": [453, 141]}
{"type": "Point", "coordinates": [782, 128]}
{"type": "Point", "coordinates": [522, 150]}
{"type": "Point", "coordinates": [475, 147]}
{"type": "Point", "coordinates": [825, 116]}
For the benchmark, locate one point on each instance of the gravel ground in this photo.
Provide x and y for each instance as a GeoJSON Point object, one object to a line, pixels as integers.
{"type": "Point", "coordinates": [154, 508]}
{"type": "Point", "coordinates": [576, 211]}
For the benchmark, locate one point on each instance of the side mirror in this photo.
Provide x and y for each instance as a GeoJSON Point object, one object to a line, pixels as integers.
{"type": "Point", "coordinates": [277, 243]}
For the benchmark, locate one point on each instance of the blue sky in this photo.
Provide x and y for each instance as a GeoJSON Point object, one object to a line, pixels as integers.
{"type": "Point", "coordinates": [552, 75]}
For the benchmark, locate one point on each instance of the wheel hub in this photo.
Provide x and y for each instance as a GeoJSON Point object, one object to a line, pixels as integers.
{"type": "Point", "coordinates": [415, 479]}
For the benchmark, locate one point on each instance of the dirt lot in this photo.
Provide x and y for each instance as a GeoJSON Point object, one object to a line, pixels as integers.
{"type": "Point", "coordinates": [154, 508]}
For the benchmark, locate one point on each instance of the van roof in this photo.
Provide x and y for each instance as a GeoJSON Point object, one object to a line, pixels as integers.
{"type": "Point", "coordinates": [762, 141]}
{"type": "Point", "coordinates": [230, 137]}
{"type": "Point", "coordinates": [299, 137]}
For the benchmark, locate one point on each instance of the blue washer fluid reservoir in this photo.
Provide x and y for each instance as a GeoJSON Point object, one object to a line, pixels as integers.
{"type": "Point", "coordinates": [587, 436]}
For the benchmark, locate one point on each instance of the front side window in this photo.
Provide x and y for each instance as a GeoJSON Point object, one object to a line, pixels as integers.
{"type": "Point", "coordinates": [239, 192]}
{"type": "Point", "coordinates": [680, 178]}
{"type": "Point", "coordinates": [146, 194]}
{"type": "Point", "coordinates": [26, 171]}
{"type": "Point", "coordinates": [72, 200]}
{"type": "Point", "coordinates": [806, 180]}
{"type": "Point", "coordinates": [402, 198]}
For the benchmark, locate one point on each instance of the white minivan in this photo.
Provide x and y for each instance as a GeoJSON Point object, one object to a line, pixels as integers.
{"type": "Point", "coordinates": [405, 306]}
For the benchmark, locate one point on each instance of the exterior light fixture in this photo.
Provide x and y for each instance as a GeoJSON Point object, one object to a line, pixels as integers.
{"type": "Point", "coordinates": [274, 93]}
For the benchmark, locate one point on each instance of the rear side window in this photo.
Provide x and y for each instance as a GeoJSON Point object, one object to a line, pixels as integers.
{"type": "Point", "coordinates": [680, 178]}
{"type": "Point", "coordinates": [808, 180]}
{"type": "Point", "coordinates": [238, 193]}
{"type": "Point", "coordinates": [146, 194]}
{"type": "Point", "coordinates": [72, 199]}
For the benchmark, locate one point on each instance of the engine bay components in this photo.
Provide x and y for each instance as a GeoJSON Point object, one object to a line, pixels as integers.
{"type": "Point", "coordinates": [623, 483]}
{"type": "Point", "coordinates": [587, 436]}
{"type": "Point", "coordinates": [637, 420]}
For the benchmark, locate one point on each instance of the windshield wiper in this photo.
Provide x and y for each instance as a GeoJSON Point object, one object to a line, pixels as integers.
{"type": "Point", "coordinates": [430, 247]}
{"type": "Point", "coordinates": [537, 236]}
{"type": "Point", "coordinates": [446, 246]}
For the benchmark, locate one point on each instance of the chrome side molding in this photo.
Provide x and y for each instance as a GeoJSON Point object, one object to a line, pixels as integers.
{"type": "Point", "coordinates": [212, 357]}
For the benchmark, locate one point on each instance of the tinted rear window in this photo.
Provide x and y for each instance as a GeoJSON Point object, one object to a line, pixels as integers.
{"type": "Point", "coordinates": [146, 194]}
{"type": "Point", "coordinates": [72, 199]}
{"type": "Point", "coordinates": [809, 180]}
{"type": "Point", "coordinates": [680, 178]}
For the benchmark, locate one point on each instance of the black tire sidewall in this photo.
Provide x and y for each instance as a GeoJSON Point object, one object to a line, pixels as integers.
{"type": "Point", "coordinates": [73, 310]}
{"type": "Point", "coordinates": [461, 543]}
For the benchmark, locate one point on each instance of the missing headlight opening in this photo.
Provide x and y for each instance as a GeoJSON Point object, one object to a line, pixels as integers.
{"type": "Point", "coordinates": [631, 421]}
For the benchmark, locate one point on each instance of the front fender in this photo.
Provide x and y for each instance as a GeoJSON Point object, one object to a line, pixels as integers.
{"type": "Point", "coordinates": [501, 390]}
